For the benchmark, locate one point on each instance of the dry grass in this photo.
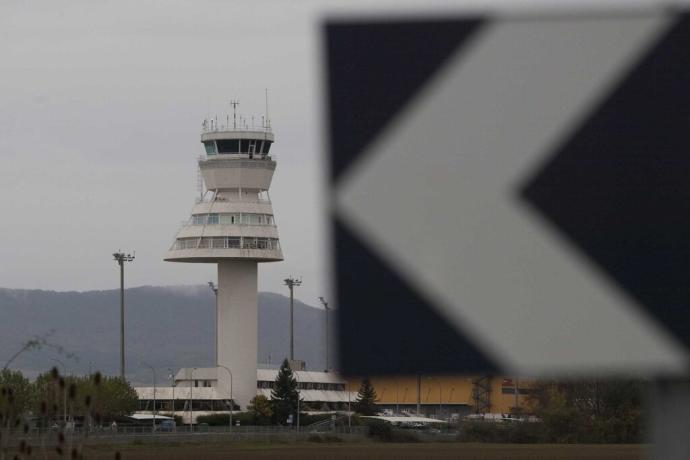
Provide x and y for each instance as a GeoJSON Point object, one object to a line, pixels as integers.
{"type": "Point", "coordinates": [382, 451]}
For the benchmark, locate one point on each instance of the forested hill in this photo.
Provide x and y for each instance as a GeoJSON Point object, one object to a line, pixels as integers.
{"type": "Point", "coordinates": [169, 327]}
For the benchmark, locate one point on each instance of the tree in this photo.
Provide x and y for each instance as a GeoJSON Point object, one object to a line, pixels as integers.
{"type": "Point", "coordinates": [284, 394]}
{"type": "Point", "coordinates": [590, 410]}
{"type": "Point", "coordinates": [95, 396]}
{"type": "Point", "coordinates": [260, 409]}
{"type": "Point", "coordinates": [114, 397]}
{"type": "Point", "coordinates": [16, 394]}
{"type": "Point", "coordinates": [366, 399]}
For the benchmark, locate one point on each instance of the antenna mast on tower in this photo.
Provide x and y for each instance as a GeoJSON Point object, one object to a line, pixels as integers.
{"type": "Point", "coordinates": [268, 120]}
{"type": "Point", "coordinates": [234, 103]}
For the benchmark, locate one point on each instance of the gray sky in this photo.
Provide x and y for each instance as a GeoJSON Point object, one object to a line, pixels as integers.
{"type": "Point", "coordinates": [100, 111]}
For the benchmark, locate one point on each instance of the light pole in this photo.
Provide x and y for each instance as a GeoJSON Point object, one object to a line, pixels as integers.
{"type": "Point", "coordinates": [419, 393]}
{"type": "Point", "coordinates": [291, 283]}
{"type": "Point", "coordinates": [298, 397]}
{"type": "Point", "coordinates": [325, 306]}
{"type": "Point", "coordinates": [517, 392]}
{"type": "Point", "coordinates": [120, 257]}
{"type": "Point", "coordinates": [64, 390]}
{"type": "Point", "coordinates": [214, 288]}
{"type": "Point", "coordinates": [154, 393]}
{"type": "Point", "coordinates": [405, 396]}
{"type": "Point", "coordinates": [172, 384]}
{"type": "Point", "coordinates": [232, 403]}
{"type": "Point", "coordinates": [191, 401]}
{"type": "Point", "coordinates": [349, 411]}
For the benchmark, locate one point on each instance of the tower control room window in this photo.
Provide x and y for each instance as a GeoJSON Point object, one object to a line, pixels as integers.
{"type": "Point", "coordinates": [210, 147]}
{"type": "Point", "coordinates": [267, 146]}
{"type": "Point", "coordinates": [228, 145]}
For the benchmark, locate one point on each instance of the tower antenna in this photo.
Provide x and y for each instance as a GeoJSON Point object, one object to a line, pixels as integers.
{"type": "Point", "coordinates": [268, 120]}
{"type": "Point", "coordinates": [234, 103]}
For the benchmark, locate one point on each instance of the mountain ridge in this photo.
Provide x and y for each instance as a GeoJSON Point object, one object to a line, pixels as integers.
{"type": "Point", "coordinates": [168, 326]}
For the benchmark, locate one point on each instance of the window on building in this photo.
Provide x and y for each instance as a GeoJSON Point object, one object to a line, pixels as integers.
{"type": "Point", "coordinates": [228, 146]}
{"type": "Point", "coordinates": [210, 147]}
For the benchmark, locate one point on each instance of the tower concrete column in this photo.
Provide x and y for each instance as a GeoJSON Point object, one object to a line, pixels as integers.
{"type": "Point", "coordinates": [237, 329]}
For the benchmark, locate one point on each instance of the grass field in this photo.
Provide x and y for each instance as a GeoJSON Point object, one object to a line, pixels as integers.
{"type": "Point", "coordinates": [383, 451]}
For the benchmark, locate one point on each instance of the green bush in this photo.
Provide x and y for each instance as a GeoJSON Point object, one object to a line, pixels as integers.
{"type": "Point", "coordinates": [398, 435]}
{"type": "Point", "coordinates": [331, 438]}
{"type": "Point", "coordinates": [383, 431]}
{"type": "Point", "coordinates": [324, 438]}
{"type": "Point", "coordinates": [513, 432]}
{"type": "Point", "coordinates": [224, 419]}
{"type": "Point", "coordinates": [480, 431]}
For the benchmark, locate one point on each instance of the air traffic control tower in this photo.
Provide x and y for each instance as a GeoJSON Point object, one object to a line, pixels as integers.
{"type": "Point", "coordinates": [232, 225]}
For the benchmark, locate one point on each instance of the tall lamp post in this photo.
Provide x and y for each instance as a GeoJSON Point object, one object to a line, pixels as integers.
{"type": "Point", "coordinates": [325, 306]}
{"type": "Point", "coordinates": [153, 369]}
{"type": "Point", "coordinates": [298, 397]}
{"type": "Point", "coordinates": [349, 410]}
{"type": "Point", "coordinates": [120, 257]}
{"type": "Point", "coordinates": [172, 384]}
{"type": "Point", "coordinates": [291, 283]}
{"type": "Point", "coordinates": [214, 288]}
{"type": "Point", "coordinates": [191, 401]}
{"type": "Point", "coordinates": [232, 403]}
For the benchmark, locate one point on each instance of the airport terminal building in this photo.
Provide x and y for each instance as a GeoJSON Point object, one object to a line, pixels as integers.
{"type": "Point", "coordinates": [196, 392]}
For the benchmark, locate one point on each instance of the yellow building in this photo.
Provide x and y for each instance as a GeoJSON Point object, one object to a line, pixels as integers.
{"type": "Point", "coordinates": [444, 395]}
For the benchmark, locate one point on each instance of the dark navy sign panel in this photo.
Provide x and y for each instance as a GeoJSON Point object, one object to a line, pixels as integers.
{"type": "Point", "coordinates": [619, 187]}
{"type": "Point", "coordinates": [375, 69]}
{"type": "Point", "coordinates": [605, 204]}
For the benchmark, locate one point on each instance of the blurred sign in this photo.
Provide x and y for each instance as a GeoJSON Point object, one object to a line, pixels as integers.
{"type": "Point", "coordinates": [511, 194]}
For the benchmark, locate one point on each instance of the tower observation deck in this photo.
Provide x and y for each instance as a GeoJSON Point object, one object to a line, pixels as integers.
{"type": "Point", "coordinates": [232, 225]}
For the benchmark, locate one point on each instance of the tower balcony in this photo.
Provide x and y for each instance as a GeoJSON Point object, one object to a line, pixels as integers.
{"type": "Point", "coordinates": [215, 248]}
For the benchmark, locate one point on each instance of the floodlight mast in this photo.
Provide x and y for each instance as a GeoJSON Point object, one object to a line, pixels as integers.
{"type": "Point", "coordinates": [120, 257]}
{"type": "Point", "coordinates": [291, 283]}
{"type": "Point", "coordinates": [325, 306]}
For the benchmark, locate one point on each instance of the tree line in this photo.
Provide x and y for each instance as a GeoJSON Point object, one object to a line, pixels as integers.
{"type": "Point", "coordinates": [52, 396]}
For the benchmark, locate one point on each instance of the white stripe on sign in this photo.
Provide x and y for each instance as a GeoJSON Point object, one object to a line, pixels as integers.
{"type": "Point", "coordinates": [437, 197]}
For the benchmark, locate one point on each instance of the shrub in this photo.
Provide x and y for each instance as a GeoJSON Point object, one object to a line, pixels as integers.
{"type": "Point", "coordinates": [479, 431]}
{"type": "Point", "coordinates": [379, 429]}
{"type": "Point", "coordinates": [331, 438]}
{"type": "Point", "coordinates": [224, 419]}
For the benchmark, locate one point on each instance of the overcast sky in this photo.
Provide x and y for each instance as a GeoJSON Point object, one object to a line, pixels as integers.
{"type": "Point", "coordinates": [101, 106]}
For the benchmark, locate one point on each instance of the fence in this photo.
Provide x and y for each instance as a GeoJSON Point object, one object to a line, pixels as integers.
{"type": "Point", "coordinates": [180, 434]}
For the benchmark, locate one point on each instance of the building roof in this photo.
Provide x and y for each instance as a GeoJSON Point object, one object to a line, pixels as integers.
{"type": "Point", "coordinates": [262, 375]}
{"type": "Point", "coordinates": [395, 419]}
{"type": "Point", "coordinates": [198, 373]}
{"type": "Point", "coordinates": [269, 375]}
{"type": "Point", "coordinates": [329, 396]}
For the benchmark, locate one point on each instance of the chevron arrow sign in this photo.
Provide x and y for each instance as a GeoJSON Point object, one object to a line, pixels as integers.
{"type": "Point", "coordinates": [511, 193]}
